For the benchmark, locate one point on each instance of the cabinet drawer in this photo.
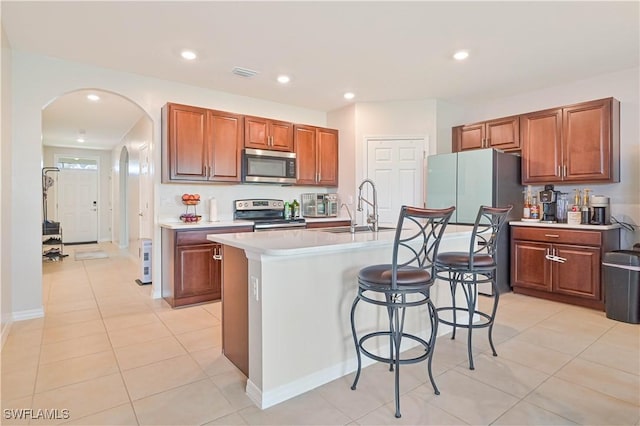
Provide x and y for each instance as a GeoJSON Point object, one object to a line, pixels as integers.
{"type": "Point", "coordinates": [199, 236]}
{"type": "Point", "coordinates": [554, 235]}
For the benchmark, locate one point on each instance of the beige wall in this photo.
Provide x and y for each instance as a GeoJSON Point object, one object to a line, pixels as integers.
{"type": "Point", "coordinates": [6, 308]}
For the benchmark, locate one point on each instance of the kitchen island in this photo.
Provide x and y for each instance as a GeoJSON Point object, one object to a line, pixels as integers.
{"type": "Point", "coordinates": [292, 292]}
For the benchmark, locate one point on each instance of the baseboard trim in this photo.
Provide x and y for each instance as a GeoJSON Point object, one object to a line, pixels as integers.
{"type": "Point", "coordinates": [5, 333]}
{"type": "Point", "coordinates": [28, 314]}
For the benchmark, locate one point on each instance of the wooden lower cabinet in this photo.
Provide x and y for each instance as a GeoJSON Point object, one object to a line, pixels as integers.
{"type": "Point", "coordinates": [561, 264]}
{"type": "Point", "coordinates": [191, 267]}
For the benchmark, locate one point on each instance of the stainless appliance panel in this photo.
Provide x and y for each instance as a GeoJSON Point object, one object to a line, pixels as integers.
{"type": "Point", "coordinates": [470, 179]}
{"type": "Point", "coordinates": [263, 166]}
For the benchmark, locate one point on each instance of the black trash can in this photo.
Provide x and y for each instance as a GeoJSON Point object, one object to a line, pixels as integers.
{"type": "Point", "coordinates": [622, 285]}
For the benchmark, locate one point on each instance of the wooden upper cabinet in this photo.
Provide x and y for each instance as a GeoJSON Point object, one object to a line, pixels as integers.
{"type": "Point", "coordinates": [328, 157]}
{"type": "Point", "coordinates": [225, 136]}
{"type": "Point", "coordinates": [306, 155]}
{"type": "Point", "coordinates": [469, 137]}
{"type": "Point", "coordinates": [502, 133]}
{"type": "Point", "coordinates": [577, 143]}
{"type": "Point", "coordinates": [200, 144]}
{"type": "Point", "coordinates": [541, 146]}
{"type": "Point", "coordinates": [591, 149]}
{"type": "Point", "coordinates": [263, 133]}
{"type": "Point", "coordinates": [316, 155]}
{"type": "Point", "coordinates": [184, 143]}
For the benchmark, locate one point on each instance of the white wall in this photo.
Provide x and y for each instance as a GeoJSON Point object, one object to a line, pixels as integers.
{"type": "Point", "coordinates": [6, 309]}
{"type": "Point", "coordinates": [624, 86]}
{"type": "Point", "coordinates": [140, 134]}
{"type": "Point", "coordinates": [38, 80]}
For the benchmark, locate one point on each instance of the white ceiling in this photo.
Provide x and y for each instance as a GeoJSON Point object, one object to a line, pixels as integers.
{"type": "Point", "coordinates": [382, 51]}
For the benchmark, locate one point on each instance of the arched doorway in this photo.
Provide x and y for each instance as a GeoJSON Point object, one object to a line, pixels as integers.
{"type": "Point", "coordinates": [117, 129]}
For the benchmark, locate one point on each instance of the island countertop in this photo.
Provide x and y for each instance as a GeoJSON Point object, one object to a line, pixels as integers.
{"type": "Point", "coordinates": [314, 241]}
{"type": "Point", "coordinates": [564, 225]}
{"type": "Point", "coordinates": [279, 285]}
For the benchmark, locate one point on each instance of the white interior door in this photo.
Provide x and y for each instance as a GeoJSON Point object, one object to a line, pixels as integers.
{"type": "Point", "coordinates": [78, 205]}
{"type": "Point", "coordinates": [396, 166]}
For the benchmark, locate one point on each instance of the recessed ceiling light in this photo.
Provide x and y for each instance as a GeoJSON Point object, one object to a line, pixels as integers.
{"type": "Point", "coordinates": [283, 79]}
{"type": "Point", "coordinates": [349, 95]}
{"type": "Point", "coordinates": [461, 55]}
{"type": "Point", "coordinates": [93, 97]}
{"type": "Point", "coordinates": [189, 55]}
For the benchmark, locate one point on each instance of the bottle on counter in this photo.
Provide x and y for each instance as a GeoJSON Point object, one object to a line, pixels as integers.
{"type": "Point", "coordinates": [526, 208]}
{"type": "Point", "coordinates": [287, 210]}
{"type": "Point", "coordinates": [535, 208]}
{"type": "Point", "coordinates": [585, 209]}
{"type": "Point", "coordinates": [295, 209]}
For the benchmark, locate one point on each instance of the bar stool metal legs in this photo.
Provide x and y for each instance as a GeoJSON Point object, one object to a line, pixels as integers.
{"type": "Point", "coordinates": [396, 334]}
{"type": "Point", "coordinates": [465, 270]}
{"type": "Point", "coordinates": [405, 283]}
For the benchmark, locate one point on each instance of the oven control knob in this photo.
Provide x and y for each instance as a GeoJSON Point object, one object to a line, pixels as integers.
{"type": "Point", "coordinates": [279, 203]}
{"type": "Point", "coordinates": [246, 204]}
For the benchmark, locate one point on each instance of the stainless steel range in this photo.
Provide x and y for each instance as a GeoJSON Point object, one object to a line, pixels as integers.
{"type": "Point", "coordinates": [266, 214]}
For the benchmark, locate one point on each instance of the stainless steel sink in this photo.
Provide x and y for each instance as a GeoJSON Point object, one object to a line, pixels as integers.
{"type": "Point", "coordinates": [359, 229]}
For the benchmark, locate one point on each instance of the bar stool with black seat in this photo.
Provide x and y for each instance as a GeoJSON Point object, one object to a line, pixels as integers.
{"type": "Point", "coordinates": [468, 269]}
{"type": "Point", "coordinates": [405, 283]}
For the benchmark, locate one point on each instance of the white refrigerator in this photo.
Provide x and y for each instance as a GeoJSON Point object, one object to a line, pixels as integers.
{"type": "Point", "coordinates": [473, 178]}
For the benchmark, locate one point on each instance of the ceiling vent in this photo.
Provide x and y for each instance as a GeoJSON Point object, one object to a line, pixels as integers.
{"type": "Point", "coordinates": [244, 72]}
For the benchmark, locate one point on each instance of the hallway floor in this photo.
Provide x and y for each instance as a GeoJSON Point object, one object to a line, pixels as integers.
{"type": "Point", "coordinates": [110, 355]}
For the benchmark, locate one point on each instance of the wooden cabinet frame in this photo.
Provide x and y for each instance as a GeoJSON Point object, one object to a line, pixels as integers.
{"type": "Point", "coordinates": [561, 264]}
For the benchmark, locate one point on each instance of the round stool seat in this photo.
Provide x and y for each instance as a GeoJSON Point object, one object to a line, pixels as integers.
{"type": "Point", "coordinates": [461, 259]}
{"type": "Point", "coordinates": [381, 275]}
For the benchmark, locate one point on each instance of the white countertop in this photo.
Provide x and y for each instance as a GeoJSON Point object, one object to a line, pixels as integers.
{"type": "Point", "coordinates": [220, 224]}
{"type": "Point", "coordinates": [314, 241]}
{"type": "Point", "coordinates": [177, 224]}
{"type": "Point", "coordinates": [564, 225]}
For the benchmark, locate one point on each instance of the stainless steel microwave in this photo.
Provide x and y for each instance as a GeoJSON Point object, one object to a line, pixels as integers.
{"type": "Point", "coordinates": [263, 166]}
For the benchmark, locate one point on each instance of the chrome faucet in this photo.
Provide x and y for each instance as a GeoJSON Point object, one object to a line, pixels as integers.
{"type": "Point", "coordinates": [372, 218]}
{"type": "Point", "coordinates": [352, 225]}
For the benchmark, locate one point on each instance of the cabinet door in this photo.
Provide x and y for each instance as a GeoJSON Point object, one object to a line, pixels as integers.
{"type": "Point", "coordinates": [197, 273]}
{"type": "Point", "coordinates": [225, 144]}
{"type": "Point", "coordinates": [281, 136]}
{"type": "Point", "coordinates": [579, 275]}
{"type": "Point", "coordinates": [529, 266]}
{"type": "Point", "coordinates": [306, 149]}
{"type": "Point", "coordinates": [186, 147]}
{"type": "Point", "coordinates": [262, 133]}
{"type": "Point", "coordinates": [503, 133]}
{"type": "Point", "coordinates": [541, 136]}
{"type": "Point", "coordinates": [471, 137]}
{"type": "Point", "coordinates": [327, 157]}
{"type": "Point", "coordinates": [587, 141]}
{"type": "Point", "coordinates": [256, 133]}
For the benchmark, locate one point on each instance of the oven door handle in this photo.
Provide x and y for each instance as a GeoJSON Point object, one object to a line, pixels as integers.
{"type": "Point", "coordinates": [266, 227]}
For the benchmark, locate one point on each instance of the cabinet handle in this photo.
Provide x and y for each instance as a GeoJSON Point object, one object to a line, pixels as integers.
{"type": "Point", "coordinates": [552, 235]}
{"type": "Point", "coordinates": [564, 170]}
{"type": "Point", "coordinates": [487, 143]}
{"type": "Point", "coordinates": [559, 171]}
{"type": "Point", "coordinates": [216, 254]}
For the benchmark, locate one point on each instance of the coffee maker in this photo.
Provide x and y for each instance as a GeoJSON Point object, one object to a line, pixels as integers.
{"type": "Point", "coordinates": [548, 198]}
{"type": "Point", "coordinates": [601, 212]}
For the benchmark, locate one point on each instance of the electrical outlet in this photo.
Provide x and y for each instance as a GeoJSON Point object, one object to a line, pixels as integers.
{"type": "Point", "coordinates": [254, 288]}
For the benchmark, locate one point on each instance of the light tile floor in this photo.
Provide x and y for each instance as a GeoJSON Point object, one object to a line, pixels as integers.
{"type": "Point", "coordinates": [109, 354]}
